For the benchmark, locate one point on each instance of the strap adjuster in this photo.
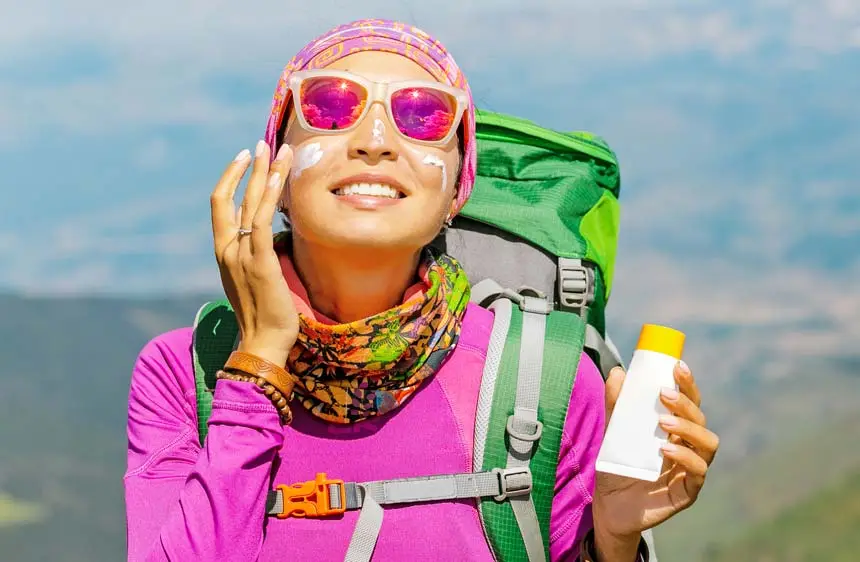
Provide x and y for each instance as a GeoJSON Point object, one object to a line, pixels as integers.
{"type": "Point", "coordinates": [320, 497]}
{"type": "Point", "coordinates": [575, 284]}
{"type": "Point", "coordinates": [515, 481]}
{"type": "Point", "coordinates": [523, 427]}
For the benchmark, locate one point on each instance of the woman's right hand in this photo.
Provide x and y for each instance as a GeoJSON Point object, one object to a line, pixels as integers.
{"type": "Point", "coordinates": [250, 270]}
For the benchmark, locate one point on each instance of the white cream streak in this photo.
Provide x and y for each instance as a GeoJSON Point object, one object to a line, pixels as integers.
{"type": "Point", "coordinates": [431, 160]}
{"type": "Point", "coordinates": [306, 157]}
{"type": "Point", "coordinates": [378, 131]}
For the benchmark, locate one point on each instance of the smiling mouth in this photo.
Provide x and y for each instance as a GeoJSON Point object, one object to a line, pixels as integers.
{"type": "Point", "coordinates": [369, 190]}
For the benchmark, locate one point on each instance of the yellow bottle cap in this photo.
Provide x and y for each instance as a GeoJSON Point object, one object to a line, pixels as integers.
{"type": "Point", "coordinates": [662, 340]}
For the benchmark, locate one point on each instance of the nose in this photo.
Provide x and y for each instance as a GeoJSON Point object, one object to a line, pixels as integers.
{"type": "Point", "coordinates": [373, 140]}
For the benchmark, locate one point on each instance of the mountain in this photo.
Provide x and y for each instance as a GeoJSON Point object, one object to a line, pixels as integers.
{"type": "Point", "coordinates": [63, 395]}
{"type": "Point", "coordinates": [787, 423]}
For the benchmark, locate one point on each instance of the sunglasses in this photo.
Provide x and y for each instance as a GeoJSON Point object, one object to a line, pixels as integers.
{"type": "Point", "coordinates": [332, 101]}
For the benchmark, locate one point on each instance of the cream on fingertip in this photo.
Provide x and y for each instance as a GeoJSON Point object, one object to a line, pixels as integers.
{"type": "Point", "coordinates": [244, 154]}
{"type": "Point", "coordinates": [261, 146]}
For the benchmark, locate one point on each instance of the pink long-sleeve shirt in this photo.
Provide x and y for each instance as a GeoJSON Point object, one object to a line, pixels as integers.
{"type": "Point", "coordinates": [186, 502]}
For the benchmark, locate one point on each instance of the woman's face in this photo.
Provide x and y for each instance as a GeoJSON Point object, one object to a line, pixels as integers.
{"type": "Point", "coordinates": [372, 153]}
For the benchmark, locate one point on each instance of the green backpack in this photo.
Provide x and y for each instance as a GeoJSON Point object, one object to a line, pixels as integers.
{"type": "Point", "coordinates": [538, 241]}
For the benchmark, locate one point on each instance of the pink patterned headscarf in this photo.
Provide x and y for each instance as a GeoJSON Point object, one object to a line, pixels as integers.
{"type": "Point", "coordinates": [388, 36]}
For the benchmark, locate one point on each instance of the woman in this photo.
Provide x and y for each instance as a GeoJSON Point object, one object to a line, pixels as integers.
{"type": "Point", "coordinates": [351, 321]}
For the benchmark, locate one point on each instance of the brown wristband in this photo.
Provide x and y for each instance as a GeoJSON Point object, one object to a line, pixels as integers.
{"type": "Point", "coordinates": [280, 401]}
{"type": "Point", "coordinates": [248, 364]}
{"type": "Point", "coordinates": [588, 552]}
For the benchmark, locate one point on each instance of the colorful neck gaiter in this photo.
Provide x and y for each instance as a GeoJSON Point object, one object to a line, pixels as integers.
{"type": "Point", "coordinates": [363, 369]}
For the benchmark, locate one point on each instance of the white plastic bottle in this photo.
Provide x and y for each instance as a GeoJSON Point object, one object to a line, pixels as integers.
{"type": "Point", "coordinates": [633, 440]}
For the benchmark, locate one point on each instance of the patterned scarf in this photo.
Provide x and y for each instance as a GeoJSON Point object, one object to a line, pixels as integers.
{"type": "Point", "coordinates": [363, 369]}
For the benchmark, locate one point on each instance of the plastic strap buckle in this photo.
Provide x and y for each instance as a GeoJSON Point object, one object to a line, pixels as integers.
{"type": "Point", "coordinates": [575, 284]}
{"type": "Point", "coordinates": [523, 426]}
{"type": "Point", "coordinates": [315, 498]}
{"type": "Point", "coordinates": [515, 481]}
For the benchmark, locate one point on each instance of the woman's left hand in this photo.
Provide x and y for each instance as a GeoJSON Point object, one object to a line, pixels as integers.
{"type": "Point", "coordinates": [624, 507]}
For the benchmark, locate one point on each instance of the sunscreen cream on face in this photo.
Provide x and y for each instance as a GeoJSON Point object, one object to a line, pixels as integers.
{"type": "Point", "coordinates": [633, 440]}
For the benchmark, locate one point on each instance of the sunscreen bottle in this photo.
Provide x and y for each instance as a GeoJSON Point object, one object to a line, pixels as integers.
{"type": "Point", "coordinates": [633, 440]}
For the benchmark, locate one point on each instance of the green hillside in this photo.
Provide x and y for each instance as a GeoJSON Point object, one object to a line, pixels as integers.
{"type": "Point", "coordinates": [63, 397]}
{"type": "Point", "coordinates": [762, 491]}
{"type": "Point", "coordinates": [786, 442]}
{"type": "Point", "coordinates": [826, 527]}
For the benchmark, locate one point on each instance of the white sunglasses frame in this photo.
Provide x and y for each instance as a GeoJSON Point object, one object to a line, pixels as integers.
{"type": "Point", "coordinates": [378, 92]}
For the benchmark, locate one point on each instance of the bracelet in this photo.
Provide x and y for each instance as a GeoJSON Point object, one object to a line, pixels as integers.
{"type": "Point", "coordinates": [588, 552]}
{"type": "Point", "coordinates": [278, 400]}
{"type": "Point", "coordinates": [243, 363]}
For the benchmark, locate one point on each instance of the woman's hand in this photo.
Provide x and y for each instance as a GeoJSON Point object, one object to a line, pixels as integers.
{"type": "Point", "coordinates": [250, 270]}
{"type": "Point", "coordinates": [624, 507]}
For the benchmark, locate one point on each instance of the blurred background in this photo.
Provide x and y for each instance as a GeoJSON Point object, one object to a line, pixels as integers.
{"type": "Point", "coordinates": [736, 123]}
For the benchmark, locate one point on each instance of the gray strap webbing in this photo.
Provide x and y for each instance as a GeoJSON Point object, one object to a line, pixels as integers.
{"type": "Point", "coordinates": [499, 335]}
{"type": "Point", "coordinates": [496, 483]}
{"type": "Point", "coordinates": [367, 528]}
{"type": "Point", "coordinates": [523, 428]}
{"type": "Point", "coordinates": [499, 484]}
{"type": "Point", "coordinates": [527, 519]}
{"type": "Point", "coordinates": [484, 290]}
{"type": "Point", "coordinates": [608, 358]}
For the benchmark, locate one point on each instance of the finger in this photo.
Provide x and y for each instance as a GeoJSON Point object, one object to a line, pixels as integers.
{"type": "Point", "coordinates": [687, 383]}
{"type": "Point", "coordinates": [682, 406]}
{"type": "Point", "coordinates": [221, 200]}
{"type": "Point", "coordinates": [256, 184]}
{"type": "Point", "coordinates": [613, 388]}
{"type": "Point", "coordinates": [694, 465]}
{"type": "Point", "coordinates": [261, 229]}
{"type": "Point", "coordinates": [701, 439]}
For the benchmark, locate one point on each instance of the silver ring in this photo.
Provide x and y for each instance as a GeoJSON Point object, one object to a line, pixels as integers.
{"type": "Point", "coordinates": [244, 231]}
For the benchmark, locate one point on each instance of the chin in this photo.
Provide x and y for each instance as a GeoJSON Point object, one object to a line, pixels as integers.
{"type": "Point", "coordinates": [371, 233]}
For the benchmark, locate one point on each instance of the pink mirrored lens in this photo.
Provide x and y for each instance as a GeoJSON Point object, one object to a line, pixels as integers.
{"type": "Point", "coordinates": [332, 103]}
{"type": "Point", "coordinates": [423, 113]}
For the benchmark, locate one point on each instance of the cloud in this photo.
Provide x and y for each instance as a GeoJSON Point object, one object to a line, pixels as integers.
{"type": "Point", "coordinates": [153, 154]}
{"type": "Point", "coordinates": [157, 67]}
{"type": "Point", "coordinates": [152, 243]}
{"type": "Point", "coordinates": [827, 26]}
{"type": "Point", "coordinates": [735, 125]}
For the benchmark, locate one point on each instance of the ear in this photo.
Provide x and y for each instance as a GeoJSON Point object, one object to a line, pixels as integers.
{"type": "Point", "coordinates": [452, 208]}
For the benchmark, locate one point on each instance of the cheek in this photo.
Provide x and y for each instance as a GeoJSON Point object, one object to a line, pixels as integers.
{"type": "Point", "coordinates": [435, 169]}
{"type": "Point", "coordinates": [314, 160]}
{"type": "Point", "coordinates": [305, 157]}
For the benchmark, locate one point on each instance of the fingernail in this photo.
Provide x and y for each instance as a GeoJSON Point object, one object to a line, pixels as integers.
{"type": "Point", "coordinates": [275, 180]}
{"type": "Point", "coordinates": [669, 447]}
{"type": "Point", "coordinates": [243, 155]}
{"type": "Point", "coordinates": [261, 146]}
{"type": "Point", "coordinates": [282, 152]}
{"type": "Point", "coordinates": [669, 421]}
{"type": "Point", "coordinates": [683, 367]}
{"type": "Point", "coordinates": [670, 393]}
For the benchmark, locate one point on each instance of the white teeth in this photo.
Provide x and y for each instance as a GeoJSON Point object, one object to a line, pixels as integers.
{"type": "Point", "coordinates": [373, 189]}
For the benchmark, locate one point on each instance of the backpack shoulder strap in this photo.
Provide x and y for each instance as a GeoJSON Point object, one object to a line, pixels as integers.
{"type": "Point", "coordinates": [531, 365]}
{"type": "Point", "coordinates": [215, 333]}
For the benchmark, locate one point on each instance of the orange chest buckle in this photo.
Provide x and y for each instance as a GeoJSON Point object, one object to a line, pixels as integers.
{"type": "Point", "coordinates": [320, 497]}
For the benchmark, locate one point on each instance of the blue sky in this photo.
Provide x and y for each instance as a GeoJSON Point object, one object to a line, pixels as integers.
{"type": "Point", "coordinates": [736, 123]}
